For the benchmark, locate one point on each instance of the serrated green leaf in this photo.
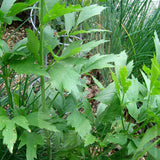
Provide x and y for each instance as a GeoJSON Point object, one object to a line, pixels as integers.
{"type": "Point", "coordinates": [69, 21]}
{"type": "Point", "coordinates": [28, 66]}
{"type": "Point", "coordinates": [70, 140]}
{"type": "Point", "coordinates": [33, 43]}
{"type": "Point", "coordinates": [19, 45]}
{"type": "Point", "coordinates": [89, 139]}
{"type": "Point", "coordinates": [123, 79]}
{"type": "Point", "coordinates": [31, 140]}
{"type": "Point", "coordinates": [132, 109]}
{"type": "Point", "coordinates": [10, 135]}
{"type": "Point", "coordinates": [88, 12]}
{"type": "Point", "coordinates": [131, 98]}
{"type": "Point", "coordinates": [60, 10]}
{"type": "Point", "coordinates": [90, 31]}
{"type": "Point", "coordinates": [90, 45]}
{"type": "Point", "coordinates": [3, 120]}
{"type": "Point", "coordinates": [132, 93]}
{"type": "Point", "coordinates": [41, 120]}
{"type": "Point", "coordinates": [119, 138]}
{"type": "Point", "coordinates": [98, 62]}
{"type": "Point", "coordinates": [131, 147]}
{"type": "Point", "coordinates": [101, 108]}
{"type": "Point", "coordinates": [10, 57]}
{"type": "Point", "coordinates": [6, 5]}
{"type": "Point", "coordinates": [21, 121]}
{"type": "Point", "coordinates": [80, 123]}
{"type": "Point", "coordinates": [18, 7]}
{"type": "Point", "coordinates": [88, 113]}
{"type": "Point", "coordinates": [111, 112]}
{"type": "Point", "coordinates": [69, 103]}
{"type": "Point", "coordinates": [49, 39]}
{"type": "Point", "coordinates": [157, 46]}
{"type": "Point", "coordinates": [63, 76]}
{"type": "Point", "coordinates": [70, 50]}
{"type": "Point", "coordinates": [106, 96]}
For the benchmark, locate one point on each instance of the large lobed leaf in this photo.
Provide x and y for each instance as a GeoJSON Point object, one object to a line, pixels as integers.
{"type": "Point", "coordinates": [8, 128]}
{"type": "Point", "coordinates": [64, 76]}
{"type": "Point", "coordinates": [80, 123]}
{"type": "Point", "coordinates": [28, 66]}
{"type": "Point", "coordinates": [41, 120]}
{"type": "Point", "coordinates": [98, 62]}
{"type": "Point", "coordinates": [31, 140]}
{"type": "Point", "coordinates": [10, 135]}
{"type": "Point", "coordinates": [21, 121]}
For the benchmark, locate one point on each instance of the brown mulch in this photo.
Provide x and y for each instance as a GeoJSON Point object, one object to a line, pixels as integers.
{"type": "Point", "coordinates": [12, 36]}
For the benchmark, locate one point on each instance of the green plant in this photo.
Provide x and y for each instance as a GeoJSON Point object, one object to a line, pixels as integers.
{"type": "Point", "coordinates": [128, 114]}
{"type": "Point", "coordinates": [33, 120]}
{"type": "Point", "coordinates": [58, 122]}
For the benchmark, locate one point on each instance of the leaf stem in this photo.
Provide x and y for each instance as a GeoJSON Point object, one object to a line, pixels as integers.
{"type": "Point", "coordinates": [121, 104]}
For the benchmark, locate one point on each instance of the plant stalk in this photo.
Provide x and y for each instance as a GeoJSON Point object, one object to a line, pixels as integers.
{"type": "Point", "coordinates": [47, 133]}
{"type": "Point", "coordinates": [41, 54]}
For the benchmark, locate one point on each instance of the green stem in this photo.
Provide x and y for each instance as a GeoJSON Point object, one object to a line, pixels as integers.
{"type": "Point", "coordinates": [41, 54]}
{"type": "Point", "coordinates": [49, 147]}
{"type": "Point", "coordinates": [121, 103]}
{"type": "Point", "coordinates": [47, 133]}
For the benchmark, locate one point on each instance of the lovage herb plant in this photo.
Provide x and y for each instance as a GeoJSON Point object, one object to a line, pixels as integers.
{"type": "Point", "coordinates": [56, 121]}
{"type": "Point", "coordinates": [30, 120]}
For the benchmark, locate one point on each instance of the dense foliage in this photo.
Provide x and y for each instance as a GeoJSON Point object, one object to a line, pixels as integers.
{"type": "Point", "coordinates": [44, 110]}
